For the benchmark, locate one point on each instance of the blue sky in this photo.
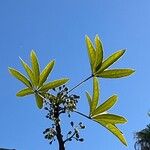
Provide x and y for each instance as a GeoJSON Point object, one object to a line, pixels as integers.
{"type": "Point", "coordinates": [56, 30]}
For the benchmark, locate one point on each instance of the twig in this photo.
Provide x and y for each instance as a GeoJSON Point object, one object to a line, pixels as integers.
{"type": "Point", "coordinates": [82, 114]}
{"type": "Point", "coordinates": [80, 83]}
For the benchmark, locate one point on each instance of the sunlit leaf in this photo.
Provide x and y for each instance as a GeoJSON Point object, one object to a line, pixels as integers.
{"type": "Point", "coordinates": [29, 71]}
{"type": "Point", "coordinates": [44, 74]}
{"type": "Point", "coordinates": [35, 67]}
{"type": "Point", "coordinates": [105, 106]}
{"type": "Point", "coordinates": [99, 53]}
{"type": "Point", "coordinates": [24, 92]}
{"type": "Point", "coordinates": [91, 51]}
{"type": "Point", "coordinates": [110, 118]}
{"type": "Point", "coordinates": [39, 101]}
{"type": "Point", "coordinates": [112, 128]}
{"type": "Point", "coordinates": [110, 60]}
{"type": "Point", "coordinates": [95, 97]}
{"type": "Point", "coordinates": [19, 76]}
{"type": "Point", "coordinates": [115, 73]}
{"type": "Point", "coordinates": [53, 84]}
{"type": "Point", "coordinates": [89, 100]}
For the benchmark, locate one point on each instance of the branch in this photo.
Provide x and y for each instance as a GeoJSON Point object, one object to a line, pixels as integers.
{"type": "Point", "coordinates": [58, 129]}
{"type": "Point", "coordinates": [69, 138]}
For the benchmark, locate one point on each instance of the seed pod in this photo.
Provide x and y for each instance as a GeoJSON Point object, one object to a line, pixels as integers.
{"type": "Point", "coordinates": [69, 132]}
{"type": "Point", "coordinates": [81, 140]}
{"type": "Point", "coordinates": [72, 124]}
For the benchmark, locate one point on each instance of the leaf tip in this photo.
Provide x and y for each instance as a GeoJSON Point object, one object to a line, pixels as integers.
{"type": "Point", "coordinates": [123, 51]}
{"type": "Point", "coordinates": [87, 38]}
{"type": "Point", "coordinates": [18, 95]}
{"type": "Point", "coordinates": [132, 71]}
{"type": "Point", "coordinates": [10, 70]}
{"type": "Point", "coordinates": [53, 62]}
{"type": "Point", "coordinates": [67, 79]}
{"type": "Point", "coordinates": [20, 59]}
{"type": "Point", "coordinates": [97, 37]}
{"type": "Point", "coordinates": [33, 53]}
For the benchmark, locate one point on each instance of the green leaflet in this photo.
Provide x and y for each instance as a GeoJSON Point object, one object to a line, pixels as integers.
{"type": "Point", "coordinates": [99, 53]}
{"type": "Point", "coordinates": [115, 73]}
{"type": "Point", "coordinates": [46, 71]}
{"type": "Point", "coordinates": [95, 97]}
{"type": "Point", "coordinates": [19, 76]}
{"type": "Point", "coordinates": [24, 92]}
{"type": "Point", "coordinates": [53, 84]}
{"type": "Point", "coordinates": [110, 60]}
{"type": "Point", "coordinates": [39, 101]}
{"type": "Point", "coordinates": [105, 106]}
{"type": "Point", "coordinates": [112, 128]}
{"type": "Point", "coordinates": [89, 100]}
{"type": "Point", "coordinates": [29, 71]}
{"type": "Point", "coordinates": [110, 118]}
{"type": "Point", "coordinates": [35, 67]}
{"type": "Point", "coordinates": [91, 52]}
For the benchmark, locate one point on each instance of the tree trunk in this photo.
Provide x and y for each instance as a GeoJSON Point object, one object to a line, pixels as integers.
{"type": "Point", "coordinates": [58, 130]}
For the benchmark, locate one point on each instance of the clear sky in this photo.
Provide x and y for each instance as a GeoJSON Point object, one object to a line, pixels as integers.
{"type": "Point", "coordinates": [56, 30]}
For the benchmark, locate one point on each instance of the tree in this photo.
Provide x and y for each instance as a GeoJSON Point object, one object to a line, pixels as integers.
{"type": "Point", "coordinates": [57, 99]}
{"type": "Point", "coordinates": [143, 139]}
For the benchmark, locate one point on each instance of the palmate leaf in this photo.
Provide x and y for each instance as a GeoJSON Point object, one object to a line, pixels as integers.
{"type": "Point", "coordinates": [110, 60]}
{"type": "Point", "coordinates": [89, 100]}
{"type": "Point", "coordinates": [105, 106]}
{"type": "Point", "coordinates": [24, 92]}
{"type": "Point", "coordinates": [37, 80]}
{"type": "Point", "coordinates": [95, 96]}
{"type": "Point", "coordinates": [29, 71]}
{"type": "Point", "coordinates": [110, 118]}
{"type": "Point", "coordinates": [39, 101]}
{"type": "Point", "coordinates": [35, 67]}
{"type": "Point", "coordinates": [99, 53]}
{"type": "Point", "coordinates": [44, 74]}
{"type": "Point", "coordinates": [112, 128]}
{"type": "Point", "coordinates": [115, 73]}
{"type": "Point", "coordinates": [20, 76]}
{"type": "Point", "coordinates": [91, 52]}
{"type": "Point", "coordinates": [53, 84]}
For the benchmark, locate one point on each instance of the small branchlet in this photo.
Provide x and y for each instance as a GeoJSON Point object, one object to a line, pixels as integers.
{"type": "Point", "coordinates": [74, 134]}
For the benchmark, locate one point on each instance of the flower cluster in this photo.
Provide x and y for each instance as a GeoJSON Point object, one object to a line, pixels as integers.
{"type": "Point", "coordinates": [62, 101]}
{"type": "Point", "coordinates": [50, 134]}
{"type": "Point", "coordinates": [56, 103]}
